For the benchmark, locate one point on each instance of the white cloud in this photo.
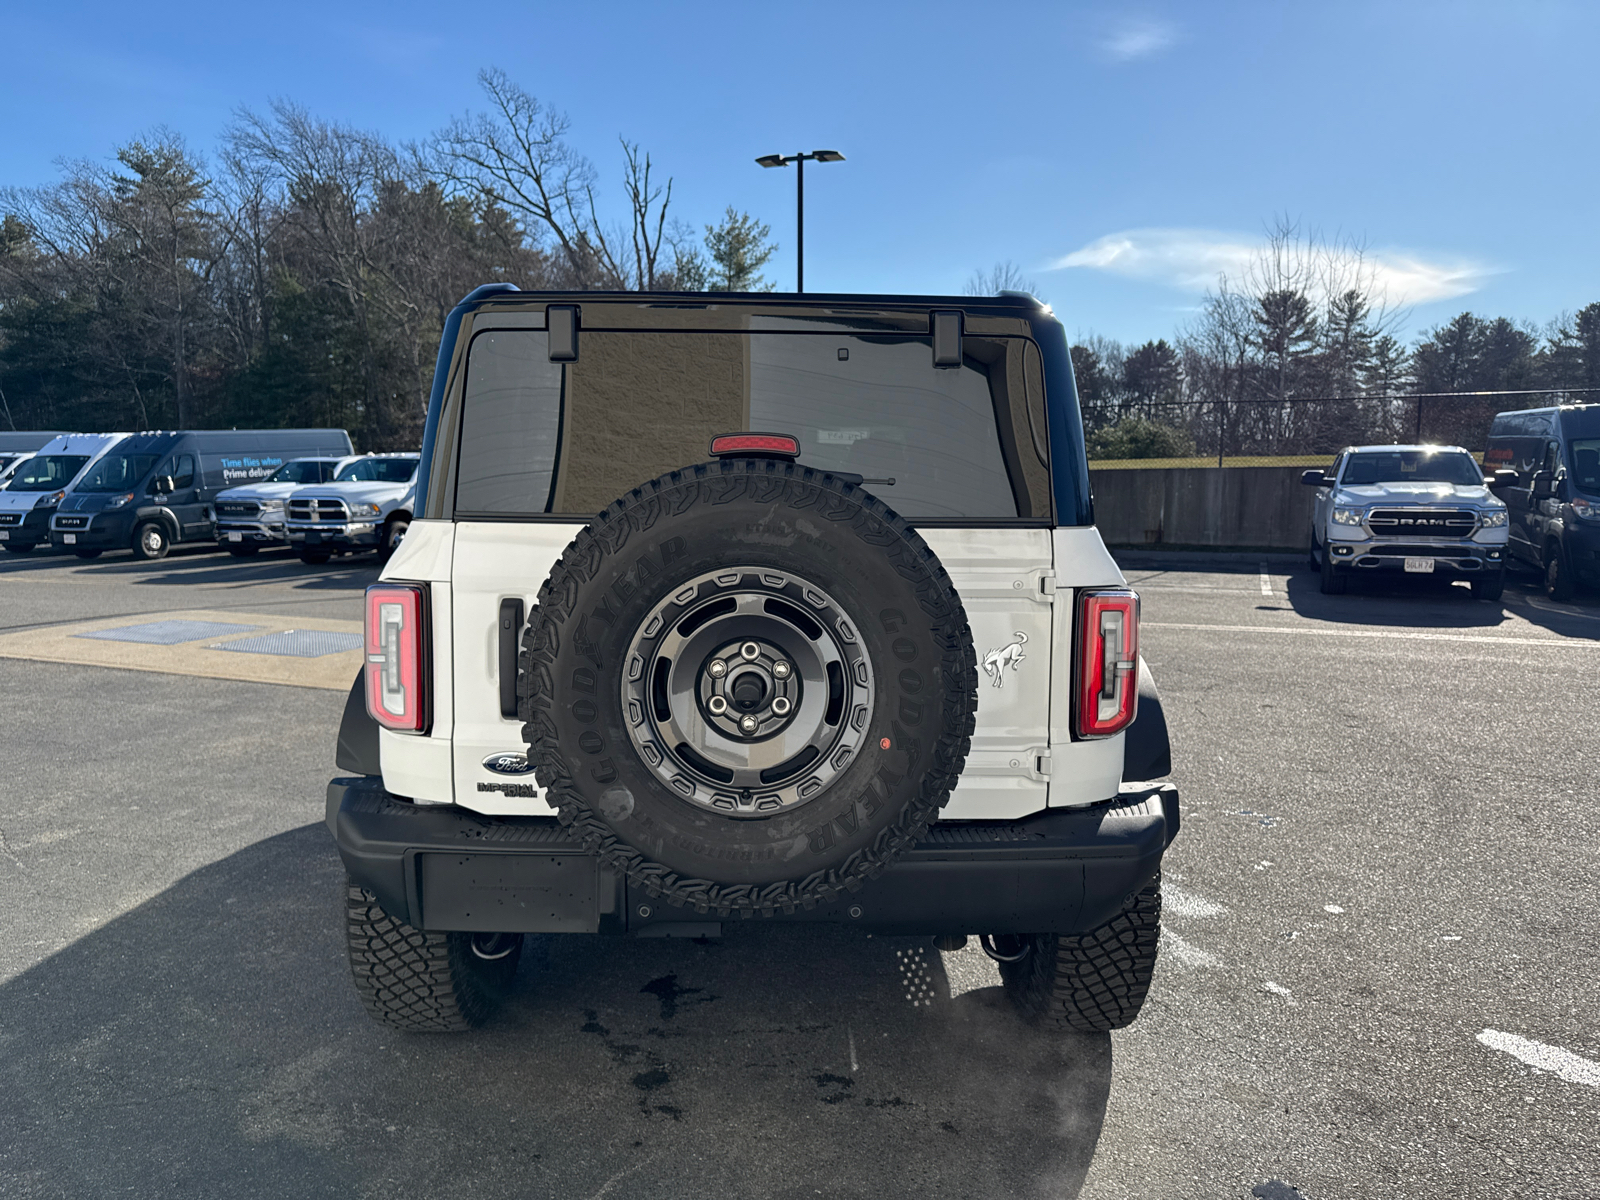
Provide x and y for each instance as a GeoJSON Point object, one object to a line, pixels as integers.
{"type": "Point", "coordinates": [1195, 259]}
{"type": "Point", "coordinates": [1137, 38]}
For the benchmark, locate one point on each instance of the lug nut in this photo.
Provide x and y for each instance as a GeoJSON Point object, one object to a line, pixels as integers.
{"type": "Point", "coordinates": [781, 706]}
{"type": "Point", "coordinates": [749, 724]}
{"type": "Point", "coordinates": [717, 705]}
{"type": "Point", "coordinates": [717, 669]}
{"type": "Point", "coordinates": [780, 670]}
{"type": "Point", "coordinates": [750, 651]}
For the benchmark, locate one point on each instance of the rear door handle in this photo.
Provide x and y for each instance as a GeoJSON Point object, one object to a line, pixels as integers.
{"type": "Point", "coordinates": [510, 634]}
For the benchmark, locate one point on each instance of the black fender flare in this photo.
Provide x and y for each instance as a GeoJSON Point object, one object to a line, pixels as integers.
{"type": "Point", "coordinates": [1147, 747]}
{"type": "Point", "coordinates": [357, 749]}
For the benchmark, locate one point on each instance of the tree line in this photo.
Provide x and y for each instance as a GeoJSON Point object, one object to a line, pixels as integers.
{"type": "Point", "coordinates": [1300, 355]}
{"type": "Point", "coordinates": [302, 276]}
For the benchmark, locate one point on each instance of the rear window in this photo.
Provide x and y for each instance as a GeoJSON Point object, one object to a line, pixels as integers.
{"type": "Point", "coordinates": [962, 444]}
{"type": "Point", "coordinates": [301, 470]}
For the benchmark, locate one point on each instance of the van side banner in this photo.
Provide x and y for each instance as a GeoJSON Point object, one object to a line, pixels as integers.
{"type": "Point", "coordinates": [248, 470]}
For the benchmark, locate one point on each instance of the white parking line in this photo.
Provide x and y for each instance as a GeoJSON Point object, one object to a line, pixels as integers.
{"type": "Point", "coordinates": [1266, 583]}
{"type": "Point", "coordinates": [1561, 1063]}
{"type": "Point", "coordinates": [1567, 643]}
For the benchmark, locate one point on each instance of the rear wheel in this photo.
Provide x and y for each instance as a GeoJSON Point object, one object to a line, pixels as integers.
{"type": "Point", "coordinates": [1558, 581]}
{"type": "Point", "coordinates": [425, 982]}
{"type": "Point", "coordinates": [150, 541]}
{"type": "Point", "coordinates": [1089, 982]}
{"type": "Point", "coordinates": [314, 557]}
{"type": "Point", "coordinates": [1334, 580]}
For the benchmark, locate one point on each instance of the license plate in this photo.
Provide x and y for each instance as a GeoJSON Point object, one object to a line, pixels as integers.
{"type": "Point", "coordinates": [5, 535]}
{"type": "Point", "coordinates": [70, 539]}
{"type": "Point", "coordinates": [236, 537]}
{"type": "Point", "coordinates": [1420, 566]}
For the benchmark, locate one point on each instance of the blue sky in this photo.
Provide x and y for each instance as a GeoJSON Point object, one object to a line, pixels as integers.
{"type": "Point", "coordinates": [1119, 154]}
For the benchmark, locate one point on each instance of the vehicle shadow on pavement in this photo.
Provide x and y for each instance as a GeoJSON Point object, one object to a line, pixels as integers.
{"type": "Point", "coordinates": [209, 1043]}
{"type": "Point", "coordinates": [203, 565]}
{"type": "Point", "coordinates": [1431, 604]}
{"type": "Point", "coordinates": [1394, 600]}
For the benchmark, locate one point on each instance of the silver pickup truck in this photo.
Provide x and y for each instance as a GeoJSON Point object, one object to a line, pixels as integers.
{"type": "Point", "coordinates": [367, 506]}
{"type": "Point", "coordinates": [1421, 510]}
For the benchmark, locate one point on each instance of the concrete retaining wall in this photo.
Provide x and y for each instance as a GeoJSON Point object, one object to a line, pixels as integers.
{"type": "Point", "coordinates": [1258, 508]}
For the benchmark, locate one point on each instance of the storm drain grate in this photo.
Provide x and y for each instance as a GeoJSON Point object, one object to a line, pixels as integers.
{"type": "Point", "coordinates": [167, 633]}
{"type": "Point", "coordinates": [296, 643]}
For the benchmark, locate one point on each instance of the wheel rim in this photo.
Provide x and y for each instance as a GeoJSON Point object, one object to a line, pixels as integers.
{"type": "Point", "coordinates": [748, 691]}
{"type": "Point", "coordinates": [151, 540]}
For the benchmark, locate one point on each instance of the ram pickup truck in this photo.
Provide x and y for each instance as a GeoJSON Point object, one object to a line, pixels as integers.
{"type": "Point", "coordinates": [1420, 510]}
{"type": "Point", "coordinates": [250, 517]}
{"type": "Point", "coordinates": [758, 608]}
{"type": "Point", "coordinates": [367, 506]}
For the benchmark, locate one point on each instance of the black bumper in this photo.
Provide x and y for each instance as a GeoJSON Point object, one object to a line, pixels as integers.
{"type": "Point", "coordinates": [103, 531]}
{"type": "Point", "coordinates": [33, 529]}
{"type": "Point", "coordinates": [445, 868]}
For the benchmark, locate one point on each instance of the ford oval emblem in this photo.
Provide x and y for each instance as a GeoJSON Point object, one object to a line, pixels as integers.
{"type": "Point", "coordinates": [508, 763]}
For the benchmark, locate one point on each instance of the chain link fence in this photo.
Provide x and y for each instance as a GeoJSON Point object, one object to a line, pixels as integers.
{"type": "Point", "coordinates": [1295, 432]}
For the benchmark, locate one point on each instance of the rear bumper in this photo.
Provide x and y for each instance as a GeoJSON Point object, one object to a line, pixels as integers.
{"type": "Point", "coordinates": [445, 868]}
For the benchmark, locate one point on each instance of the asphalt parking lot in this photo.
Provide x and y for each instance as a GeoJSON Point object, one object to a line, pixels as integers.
{"type": "Point", "coordinates": [1377, 979]}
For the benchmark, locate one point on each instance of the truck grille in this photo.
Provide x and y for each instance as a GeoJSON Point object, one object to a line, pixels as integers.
{"type": "Point", "coordinates": [332, 511]}
{"type": "Point", "coordinates": [10, 518]}
{"type": "Point", "coordinates": [1422, 522]}
{"type": "Point", "coordinates": [71, 522]}
{"type": "Point", "coordinates": [238, 508]}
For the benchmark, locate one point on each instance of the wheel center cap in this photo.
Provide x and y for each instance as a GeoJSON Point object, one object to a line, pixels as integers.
{"type": "Point", "coordinates": [749, 690]}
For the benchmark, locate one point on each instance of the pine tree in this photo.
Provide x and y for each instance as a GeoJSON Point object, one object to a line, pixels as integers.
{"type": "Point", "coordinates": [738, 249]}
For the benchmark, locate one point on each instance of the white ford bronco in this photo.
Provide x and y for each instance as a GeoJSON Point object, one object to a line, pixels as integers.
{"type": "Point", "coordinates": [752, 608]}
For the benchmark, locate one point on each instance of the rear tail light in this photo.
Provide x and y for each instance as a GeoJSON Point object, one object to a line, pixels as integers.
{"type": "Point", "coordinates": [396, 657]}
{"type": "Point", "coordinates": [1108, 661]}
{"type": "Point", "coordinates": [780, 444]}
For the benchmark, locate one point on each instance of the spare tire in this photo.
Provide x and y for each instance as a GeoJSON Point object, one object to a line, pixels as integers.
{"type": "Point", "coordinates": [748, 685]}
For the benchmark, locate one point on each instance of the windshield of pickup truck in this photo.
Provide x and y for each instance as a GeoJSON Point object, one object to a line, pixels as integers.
{"type": "Point", "coordinates": [1411, 466]}
{"type": "Point", "coordinates": [117, 473]}
{"type": "Point", "coordinates": [301, 470]}
{"type": "Point", "coordinates": [47, 473]}
{"type": "Point", "coordinates": [378, 470]}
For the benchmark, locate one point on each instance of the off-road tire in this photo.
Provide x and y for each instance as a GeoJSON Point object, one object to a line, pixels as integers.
{"type": "Point", "coordinates": [1490, 586]}
{"type": "Point", "coordinates": [313, 558]}
{"type": "Point", "coordinates": [1558, 581]}
{"type": "Point", "coordinates": [416, 981]}
{"type": "Point", "coordinates": [1091, 982]}
{"type": "Point", "coordinates": [765, 515]}
{"type": "Point", "coordinates": [1334, 581]}
{"type": "Point", "coordinates": [150, 541]}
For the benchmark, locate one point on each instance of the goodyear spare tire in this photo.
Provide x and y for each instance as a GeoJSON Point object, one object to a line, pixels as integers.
{"type": "Point", "coordinates": [749, 685]}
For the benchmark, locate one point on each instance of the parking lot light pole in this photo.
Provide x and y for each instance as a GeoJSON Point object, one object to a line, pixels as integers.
{"type": "Point", "coordinates": [781, 160]}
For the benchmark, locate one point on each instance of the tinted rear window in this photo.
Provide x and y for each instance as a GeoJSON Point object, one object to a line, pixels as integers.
{"type": "Point", "coordinates": [964, 444]}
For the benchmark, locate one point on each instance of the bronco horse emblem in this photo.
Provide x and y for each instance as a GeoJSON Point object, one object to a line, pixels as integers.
{"type": "Point", "coordinates": [996, 661]}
